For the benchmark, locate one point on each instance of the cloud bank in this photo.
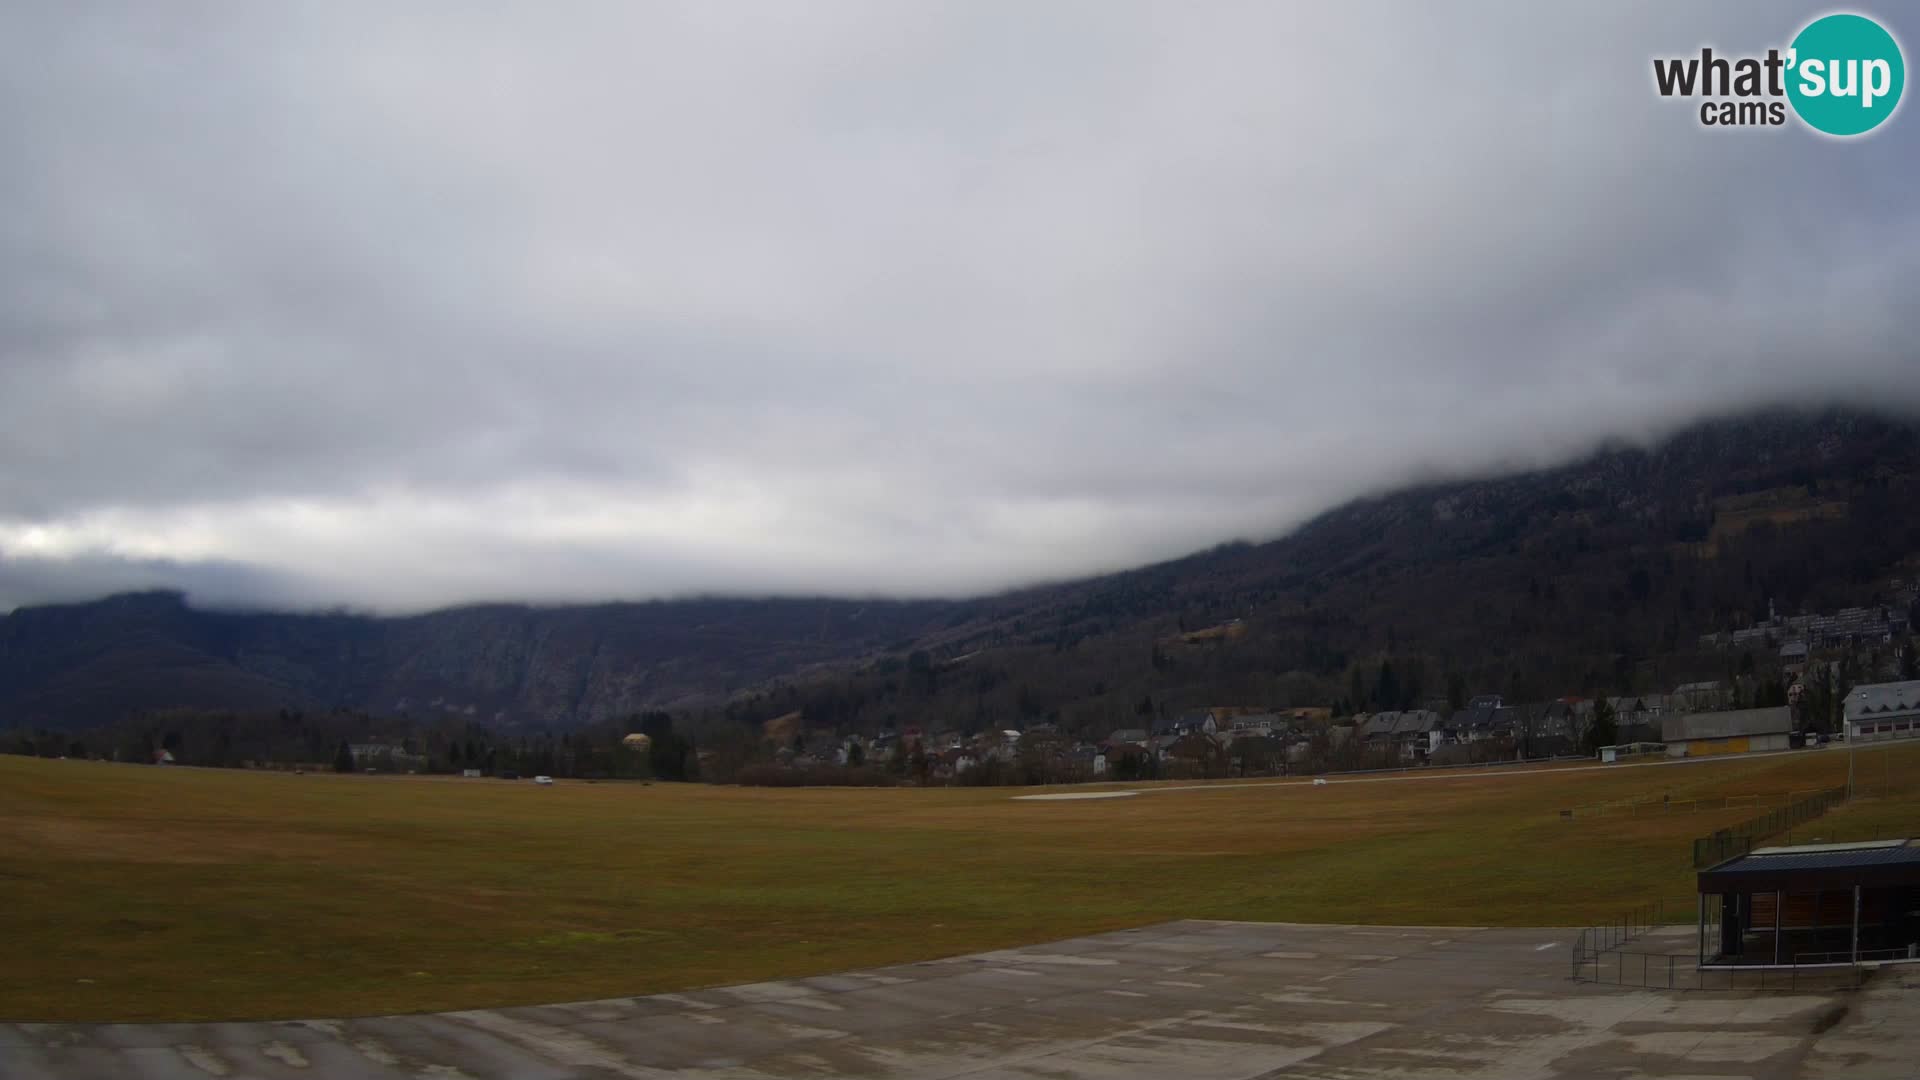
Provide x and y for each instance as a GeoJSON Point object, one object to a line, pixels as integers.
{"type": "Point", "coordinates": [316, 304]}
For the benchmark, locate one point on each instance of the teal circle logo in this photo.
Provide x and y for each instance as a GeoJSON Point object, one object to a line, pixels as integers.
{"type": "Point", "coordinates": [1845, 74]}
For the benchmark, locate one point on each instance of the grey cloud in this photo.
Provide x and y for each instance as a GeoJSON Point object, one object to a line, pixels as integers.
{"type": "Point", "coordinates": [210, 583]}
{"type": "Point", "coordinates": [416, 305]}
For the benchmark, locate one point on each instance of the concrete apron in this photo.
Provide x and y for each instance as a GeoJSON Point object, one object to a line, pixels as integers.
{"type": "Point", "coordinates": [1186, 999]}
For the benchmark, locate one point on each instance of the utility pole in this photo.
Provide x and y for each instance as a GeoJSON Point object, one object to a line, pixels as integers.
{"type": "Point", "coordinates": [1852, 746]}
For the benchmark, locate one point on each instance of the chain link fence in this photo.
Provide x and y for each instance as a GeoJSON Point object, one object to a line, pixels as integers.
{"type": "Point", "coordinates": [1736, 840]}
{"type": "Point", "coordinates": [1639, 808]}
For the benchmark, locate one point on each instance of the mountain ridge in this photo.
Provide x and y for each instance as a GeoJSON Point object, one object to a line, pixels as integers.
{"type": "Point", "coordinates": [1631, 543]}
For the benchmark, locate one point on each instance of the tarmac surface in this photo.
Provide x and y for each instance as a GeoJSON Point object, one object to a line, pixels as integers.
{"type": "Point", "coordinates": [1186, 999]}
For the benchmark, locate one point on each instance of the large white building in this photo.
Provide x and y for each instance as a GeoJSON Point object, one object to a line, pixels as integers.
{"type": "Point", "coordinates": [1881, 711]}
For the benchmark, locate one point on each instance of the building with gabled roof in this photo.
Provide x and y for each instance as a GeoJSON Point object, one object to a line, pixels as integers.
{"type": "Point", "coordinates": [1419, 732]}
{"type": "Point", "coordinates": [1881, 711]}
{"type": "Point", "coordinates": [1380, 726]}
{"type": "Point", "coordinates": [1695, 696]}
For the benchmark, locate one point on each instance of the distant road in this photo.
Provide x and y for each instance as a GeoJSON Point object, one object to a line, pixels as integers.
{"type": "Point", "coordinates": [1480, 773]}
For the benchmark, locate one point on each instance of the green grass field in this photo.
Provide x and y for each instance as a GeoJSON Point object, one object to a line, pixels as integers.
{"type": "Point", "coordinates": [138, 893]}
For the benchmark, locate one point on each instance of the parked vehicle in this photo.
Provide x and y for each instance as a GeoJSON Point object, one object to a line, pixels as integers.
{"type": "Point", "coordinates": [543, 779]}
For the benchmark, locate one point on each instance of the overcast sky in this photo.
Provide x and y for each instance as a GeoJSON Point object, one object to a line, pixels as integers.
{"type": "Point", "coordinates": [395, 306]}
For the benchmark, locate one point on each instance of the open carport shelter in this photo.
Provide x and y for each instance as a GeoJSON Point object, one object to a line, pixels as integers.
{"type": "Point", "coordinates": [1810, 905]}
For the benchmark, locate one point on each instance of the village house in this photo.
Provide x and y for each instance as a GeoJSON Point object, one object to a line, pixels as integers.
{"type": "Point", "coordinates": [1555, 731]}
{"type": "Point", "coordinates": [1256, 733]}
{"type": "Point", "coordinates": [1698, 696]}
{"type": "Point", "coordinates": [1379, 729]}
{"type": "Point", "coordinates": [1195, 750]}
{"type": "Point", "coordinates": [1198, 721]}
{"type": "Point", "coordinates": [1486, 719]}
{"type": "Point", "coordinates": [1652, 705]}
{"type": "Point", "coordinates": [1418, 732]}
{"type": "Point", "coordinates": [950, 762]}
{"type": "Point", "coordinates": [1258, 723]}
{"type": "Point", "coordinates": [1637, 719]}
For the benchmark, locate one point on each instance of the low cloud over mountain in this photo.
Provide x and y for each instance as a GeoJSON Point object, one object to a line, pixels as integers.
{"type": "Point", "coordinates": [346, 304]}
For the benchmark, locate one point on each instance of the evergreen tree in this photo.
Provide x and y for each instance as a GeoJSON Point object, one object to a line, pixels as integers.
{"type": "Point", "coordinates": [1602, 731]}
{"type": "Point", "coordinates": [1386, 688]}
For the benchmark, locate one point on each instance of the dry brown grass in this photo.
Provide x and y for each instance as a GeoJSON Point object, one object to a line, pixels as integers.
{"type": "Point", "coordinates": [198, 894]}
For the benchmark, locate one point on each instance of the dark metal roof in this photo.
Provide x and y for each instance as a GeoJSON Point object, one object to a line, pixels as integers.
{"type": "Point", "coordinates": [1821, 860]}
{"type": "Point", "coordinates": [1816, 866]}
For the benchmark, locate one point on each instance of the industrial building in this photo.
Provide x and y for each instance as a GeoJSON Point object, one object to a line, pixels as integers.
{"type": "Point", "coordinates": [1739, 731]}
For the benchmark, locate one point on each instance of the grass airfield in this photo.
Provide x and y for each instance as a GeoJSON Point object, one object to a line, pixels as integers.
{"type": "Point", "coordinates": [133, 893]}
